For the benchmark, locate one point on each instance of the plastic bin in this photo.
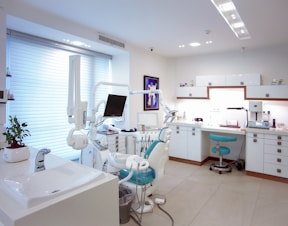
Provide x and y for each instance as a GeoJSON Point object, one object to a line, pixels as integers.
{"type": "Point", "coordinates": [125, 200]}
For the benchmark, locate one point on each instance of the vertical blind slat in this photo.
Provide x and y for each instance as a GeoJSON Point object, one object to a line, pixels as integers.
{"type": "Point", "coordinates": [40, 86]}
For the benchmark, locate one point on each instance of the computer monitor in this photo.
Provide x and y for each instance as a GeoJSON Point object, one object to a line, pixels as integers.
{"type": "Point", "coordinates": [115, 105]}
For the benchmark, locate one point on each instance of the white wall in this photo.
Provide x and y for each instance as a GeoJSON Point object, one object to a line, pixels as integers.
{"type": "Point", "coordinates": [145, 62]}
{"type": "Point", "coordinates": [270, 62]}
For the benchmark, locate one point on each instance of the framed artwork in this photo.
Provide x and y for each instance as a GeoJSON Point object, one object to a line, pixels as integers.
{"type": "Point", "coordinates": [151, 100]}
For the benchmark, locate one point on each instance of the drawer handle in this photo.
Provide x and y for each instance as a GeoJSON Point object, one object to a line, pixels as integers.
{"type": "Point", "coordinates": [209, 83]}
{"type": "Point", "coordinates": [242, 83]}
{"type": "Point", "coordinates": [279, 143]}
{"type": "Point", "coordinates": [190, 94]}
{"type": "Point", "coordinates": [267, 95]}
{"type": "Point", "coordinates": [254, 134]}
{"type": "Point", "coordinates": [255, 140]}
{"type": "Point", "coordinates": [177, 132]}
{"type": "Point", "coordinates": [278, 170]}
{"type": "Point", "coordinates": [279, 150]}
{"type": "Point", "coordinates": [279, 160]}
{"type": "Point", "coordinates": [279, 137]}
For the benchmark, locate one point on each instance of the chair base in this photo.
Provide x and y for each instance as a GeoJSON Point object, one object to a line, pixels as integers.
{"type": "Point", "coordinates": [221, 167]}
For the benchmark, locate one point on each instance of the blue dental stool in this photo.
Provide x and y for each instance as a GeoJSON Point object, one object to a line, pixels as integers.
{"type": "Point", "coordinates": [222, 150]}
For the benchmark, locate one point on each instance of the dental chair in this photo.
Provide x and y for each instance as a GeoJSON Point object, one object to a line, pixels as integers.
{"type": "Point", "coordinates": [145, 182]}
{"type": "Point", "coordinates": [221, 166]}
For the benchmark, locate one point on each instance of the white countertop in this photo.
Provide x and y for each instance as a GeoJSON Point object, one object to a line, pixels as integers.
{"type": "Point", "coordinates": [240, 131]}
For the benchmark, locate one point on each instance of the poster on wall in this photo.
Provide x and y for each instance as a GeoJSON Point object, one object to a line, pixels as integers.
{"type": "Point", "coordinates": [151, 100]}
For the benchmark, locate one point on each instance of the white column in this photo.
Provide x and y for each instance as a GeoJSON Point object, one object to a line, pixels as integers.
{"type": "Point", "coordinates": [2, 66]}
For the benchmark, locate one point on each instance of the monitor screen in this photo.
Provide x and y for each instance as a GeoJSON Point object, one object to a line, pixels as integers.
{"type": "Point", "coordinates": [114, 106]}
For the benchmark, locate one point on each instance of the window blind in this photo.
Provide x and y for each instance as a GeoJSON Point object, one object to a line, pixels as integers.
{"type": "Point", "coordinates": [39, 83]}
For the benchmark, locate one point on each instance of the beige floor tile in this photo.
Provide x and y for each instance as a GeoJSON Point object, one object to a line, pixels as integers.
{"type": "Point", "coordinates": [196, 196]}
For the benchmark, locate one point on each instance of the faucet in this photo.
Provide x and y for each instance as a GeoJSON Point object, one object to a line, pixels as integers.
{"type": "Point", "coordinates": [39, 161]}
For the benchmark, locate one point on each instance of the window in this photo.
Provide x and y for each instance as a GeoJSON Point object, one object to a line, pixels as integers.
{"type": "Point", "coordinates": [39, 82]}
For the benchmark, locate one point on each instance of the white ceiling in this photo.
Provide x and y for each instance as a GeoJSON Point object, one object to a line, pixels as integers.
{"type": "Point", "coordinates": [165, 24]}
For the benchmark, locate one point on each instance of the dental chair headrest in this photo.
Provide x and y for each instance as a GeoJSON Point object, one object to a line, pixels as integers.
{"type": "Point", "coordinates": [164, 134]}
{"type": "Point", "coordinates": [163, 137]}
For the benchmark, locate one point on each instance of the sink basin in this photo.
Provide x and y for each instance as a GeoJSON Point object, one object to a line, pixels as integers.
{"type": "Point", "coordinates": [33, 189]}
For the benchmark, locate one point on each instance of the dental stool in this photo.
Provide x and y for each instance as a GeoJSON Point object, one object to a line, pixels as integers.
{"type": "Point", "coordinates": [222, 150]}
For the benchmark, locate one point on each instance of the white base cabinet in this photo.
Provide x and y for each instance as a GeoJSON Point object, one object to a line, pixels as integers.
{"type": "Point", "coordinates": [254, 152]}
{"type": "Point", "coordinates": [178, 142]}
{"type": "Point", "coordinates": [267, 154]}
{"type": "Point", "coordinates": [186, 143]}
{"type": "Point", "coordinates": [276, 155]}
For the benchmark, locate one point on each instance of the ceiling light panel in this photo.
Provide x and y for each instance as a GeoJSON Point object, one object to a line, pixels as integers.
{"type": "Point", "coordinates": [228, 11]}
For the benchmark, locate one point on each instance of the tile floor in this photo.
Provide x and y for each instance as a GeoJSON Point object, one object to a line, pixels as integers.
{"type": "Point", "coordinates": [196, 196]}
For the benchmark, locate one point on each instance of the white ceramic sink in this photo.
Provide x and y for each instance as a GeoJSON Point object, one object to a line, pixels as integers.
{"type": "Point", "coordinates": [41, 186]}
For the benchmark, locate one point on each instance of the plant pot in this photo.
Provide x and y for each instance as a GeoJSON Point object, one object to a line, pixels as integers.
{"type": "Point", "coordinates": [16, 154]}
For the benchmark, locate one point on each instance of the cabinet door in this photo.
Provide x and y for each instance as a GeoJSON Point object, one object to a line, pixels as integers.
{"type": "Point", "coordinates": [243, 80]}
{"type": "Point", "coordinates": [267, 92]}
{"type": "Point", "coordinates": [194, 144]}
{"type": "Point", "coordinates": [192, 92]}
{"type": "Point", "coordinates": [178, 142]}
{"type": "Point", "coordinates": [254, 152]}
{"type": "Point", "coordinates": [210, 80]}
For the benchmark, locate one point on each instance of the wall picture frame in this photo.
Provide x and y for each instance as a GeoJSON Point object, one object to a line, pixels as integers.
{"type": "Point", "coordinates": [151, 100]}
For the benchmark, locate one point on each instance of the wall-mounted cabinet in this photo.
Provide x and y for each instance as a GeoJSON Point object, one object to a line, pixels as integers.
{"type": "Point", "coordinates": [229, 80]}
{"type": "Point", "coordinates": [268, 92]}
{"type": "Point", "coordinates": [243, 80]}
{"type": "Point", "coordinates": [211, 80]}
{"type": "Point", "coordinates": [192, 92]}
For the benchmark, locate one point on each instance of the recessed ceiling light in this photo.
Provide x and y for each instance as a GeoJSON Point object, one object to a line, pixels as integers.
{"type": "Point", "coordinates": [181, 46]}
{"type": "Point", "coordinates": [194, 44]}
{"type": "Point", "coordinates": [209, 42]}
{"type": "Point", "coordinates": [77, 43]}
{"type": "Point", "coordinates": [228, 11]}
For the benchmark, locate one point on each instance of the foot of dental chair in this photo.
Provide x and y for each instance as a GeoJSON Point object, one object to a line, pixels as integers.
{"type": "Point", "coordinates": [224, 167]}
{"type": "Point", "coordinates": [147, 207]}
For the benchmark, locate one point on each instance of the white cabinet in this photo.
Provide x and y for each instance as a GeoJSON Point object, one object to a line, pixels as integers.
{"type": "Point", "coordinates": [192, 92]}
{"type": "Point", "coordinates": [186, 143]}
{"type": "Point", "coordinates": [254, 152]}
{"type": "Point", "coordinates": [229, 80]}
{"type": "Point", "coordinates": [211, 80]}
{"type": "Point", "coordinates": [276, 155]}
{"type": "Point", "coordinates": [243, 80]}
{"type": "Point", "coordinates": [178, 142]}
{"type": "Point", "coordinates": [194, 140]}
{"type": "Point", "coordinates": [268, 92]}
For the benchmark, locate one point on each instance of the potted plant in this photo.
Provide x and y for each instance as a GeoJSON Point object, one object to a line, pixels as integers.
{"type": "Point", "coordinates": [15, 133]}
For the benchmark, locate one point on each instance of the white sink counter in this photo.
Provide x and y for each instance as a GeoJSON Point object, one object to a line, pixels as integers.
{"type": "Point", "coordinates": [14, 214]}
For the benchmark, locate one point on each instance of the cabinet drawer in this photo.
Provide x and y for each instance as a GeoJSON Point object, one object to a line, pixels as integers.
{"type": "Point", "coordinates": [276, 159]}
{"type": "Point", "coordinates": [276, 170]}
{"type": "Point", "coordinates": [278, 143]}
{"type": "Point", "coordinates": [276, 137]}
{"type": "Point", "coordinates": [255, 135]}
{"type": "Point", "coordinates": [276, 150]}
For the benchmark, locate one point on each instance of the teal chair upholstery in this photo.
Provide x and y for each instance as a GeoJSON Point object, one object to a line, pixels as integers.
{"type": "Point", "coordinates": [148, 176]}
{"type": "Point", "coordinates": [221, 166]}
